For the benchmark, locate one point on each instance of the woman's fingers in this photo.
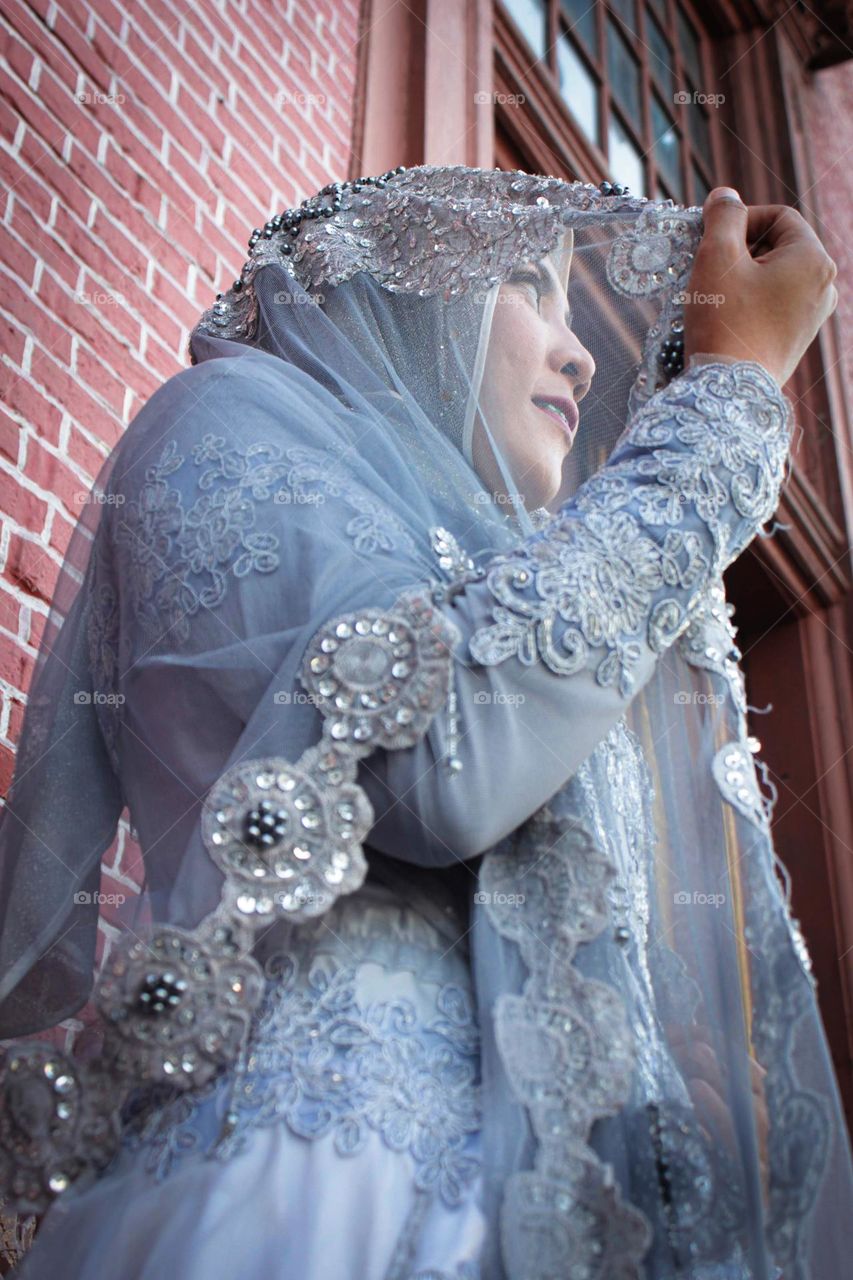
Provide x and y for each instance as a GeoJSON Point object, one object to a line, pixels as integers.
{"type": "Point", "coordinates": [777, 225]}
{"type": "Point", "coordinates": [714, 1112]}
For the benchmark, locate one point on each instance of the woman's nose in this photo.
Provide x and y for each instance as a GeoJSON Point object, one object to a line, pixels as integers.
{"type": "Point", "coordinates": [574, 362]}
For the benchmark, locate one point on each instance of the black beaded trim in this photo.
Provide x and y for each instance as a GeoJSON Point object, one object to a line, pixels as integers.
{"type": "Point", "coordinates": [662, 1168]}
{"type": "Point", "coordinates": [291, 219]}
{"type": "Point", "coordinates": [672, 355]}
{"type": "Point", "coordinates": [310, 208]}
{"type": "Point", "coordinates": [612, 189]}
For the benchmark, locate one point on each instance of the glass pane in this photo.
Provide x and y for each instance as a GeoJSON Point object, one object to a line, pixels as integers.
{"type": "Point", "coordinates": [700, 132]}
{"type": "Point", "coordinates": [667, 155]}
{"type": "Point", "coordinates": [700, 187]}
{"type": "Point", "coordinates": [660, 57]}
{"type": "Point", "coordinates": [580, 15]}
{"type": "Point", "coordinates": [578, 88]}
{"type": "Point", "coordinates": [659, 7]}
{"type": "Point", "coordinates": [624, 72]}
{"type": "Point", "coordinates": [625, 9]}
{"type": "Point", "coordinates": [689, 42]}
{"type": "Point", "coordinates": [624, 160]}
{"type": "Point", "coordinates": [529, 17]}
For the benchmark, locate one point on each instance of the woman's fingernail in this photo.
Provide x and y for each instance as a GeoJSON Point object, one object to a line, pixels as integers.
{"type": "Point", "coordinates": [726, 193]}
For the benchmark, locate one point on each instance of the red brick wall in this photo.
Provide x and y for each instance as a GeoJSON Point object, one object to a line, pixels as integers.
{"type": "Point", "coordinates": [828, 125]}
{"type": "Point", "coordinates": [140, 146]}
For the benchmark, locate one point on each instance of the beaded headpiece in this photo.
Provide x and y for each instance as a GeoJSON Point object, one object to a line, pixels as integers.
{"type": "Point", "coordinates": [439, 230]}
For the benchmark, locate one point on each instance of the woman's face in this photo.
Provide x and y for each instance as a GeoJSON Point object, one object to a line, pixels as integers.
{"type": "Point", "coordinates": [533, 357]}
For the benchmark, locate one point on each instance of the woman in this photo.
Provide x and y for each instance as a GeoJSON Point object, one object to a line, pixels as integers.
{"type": "Point", "coordinates": [402, 635]}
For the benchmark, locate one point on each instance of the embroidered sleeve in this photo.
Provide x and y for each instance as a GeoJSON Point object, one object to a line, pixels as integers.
{"type": "Point", "coordinates": [598, 594]}
{"type": "Point", "coordinates": [620, 568]}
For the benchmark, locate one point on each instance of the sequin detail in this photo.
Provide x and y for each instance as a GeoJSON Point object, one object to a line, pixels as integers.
{"type": "Point", "coordinates": [58, 1124]}
{"type": "Point", "coordinates": [176, 1005]}
{"type": "Point", "coordinates": [323, 1064]}
{"type": "Point", "coordinates": [566, 1045]}
{"type": "Point", "coordinates": [598, 588]}
{"type": "Point", "coordinates": [443, 229]}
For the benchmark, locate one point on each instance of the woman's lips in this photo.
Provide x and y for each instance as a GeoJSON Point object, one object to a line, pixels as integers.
{"type": "Point", "coordinates": [569, 427]}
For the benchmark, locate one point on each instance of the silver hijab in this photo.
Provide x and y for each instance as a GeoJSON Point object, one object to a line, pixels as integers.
{"type": "Point", "coordinates": [308, 481]}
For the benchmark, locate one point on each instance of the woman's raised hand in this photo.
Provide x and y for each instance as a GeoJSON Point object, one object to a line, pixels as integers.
{"type": "Point", "coordinates": [761, 285]}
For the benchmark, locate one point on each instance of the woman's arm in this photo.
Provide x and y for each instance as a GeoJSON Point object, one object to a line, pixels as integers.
{"type": "Point", "coordinates": [560, 636]}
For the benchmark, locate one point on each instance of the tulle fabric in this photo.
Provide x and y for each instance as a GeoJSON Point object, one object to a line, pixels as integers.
{"type": "Point", "coordinates": [301, 471]}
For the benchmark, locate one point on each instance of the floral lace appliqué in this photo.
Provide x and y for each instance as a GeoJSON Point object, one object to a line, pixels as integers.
{"type": "Point", "coordinates": [180, 560]}
{"type": "Point", "coordinates": [322, 1064]}
{"type": "Point", "coordinates": [598, 586]}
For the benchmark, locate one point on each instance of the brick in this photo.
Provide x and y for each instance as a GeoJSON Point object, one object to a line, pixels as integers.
{"type": "Point", "coordinates": [44, 243]}
{"type": "Point", "coordinates": [52, 473]}
{"type": "Point", "coordinates": [270, 152]}
{"type": "Point", "coordinates": [23, 398]}
{"type": "Point", "coordinates": [38, 622]}
{"type": "Point", "coordinates": [30, 567]}
{"type": "Point", "coordinates": [17, 709]}
{"type": "Point", "coordinates": [93, 371]}
{"type": "Point", "coordinates": [111, 888]}
{"type": "Point", "coordinates": [16, 256]}
{"type": "Point", "coordinates": [20, 504]}
{"type": "Point", "coordinates": [76, 400]}
{"type": "Point", "coordinates": [17, 53]}
{"type": "Point", "coordinates": [7, 768]}
{"type": "Point", "coordinates": [26, 309]}
{"type": "Point", "coordinates": [13, 342]}
{"type": "Point", "coordinates": [10, 437]}
{"type": "Point", "coordinates": [28, 188]}
{"type": "Point", "coordinates": [61, 530]}
{"type": "Point", "coordinates": [84, 454]}
{"type": "Point", "coordinates": [10, 612]}
{"type": "Point", "coordinates": [81, 49]}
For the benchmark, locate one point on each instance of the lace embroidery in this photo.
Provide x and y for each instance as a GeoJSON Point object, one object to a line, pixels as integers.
{"type": "Point", "coordinates": [323, 1064]}
{"type": "Point", "coordinates": [599, 580]}
{"type": "Point", "coordinates": [577, 1029]}
{"type": "Point", "coordinates": [374, 528]}
{"type": "Point", "coordinates": [286, 836]}
{"type": "Point", "coordinates": [781, 966]}
{"type": "Point", "coordinates": [428, 229]}
{"type": "Point", "coordinates": [168, 546]}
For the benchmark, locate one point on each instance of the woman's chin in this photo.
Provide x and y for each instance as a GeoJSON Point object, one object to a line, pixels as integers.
{"type": "Point", "coordinates": [545, 489]}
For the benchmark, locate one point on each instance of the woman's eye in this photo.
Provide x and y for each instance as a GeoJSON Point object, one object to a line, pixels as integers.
{"type": "Point", "coordinates": [530, 279]}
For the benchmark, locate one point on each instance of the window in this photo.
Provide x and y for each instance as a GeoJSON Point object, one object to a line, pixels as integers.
{"type": "Point", "coordinates": [631, 73]}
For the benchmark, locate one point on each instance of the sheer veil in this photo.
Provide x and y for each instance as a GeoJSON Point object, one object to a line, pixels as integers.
{"type": "Point", "coordinates": [313, 464]}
